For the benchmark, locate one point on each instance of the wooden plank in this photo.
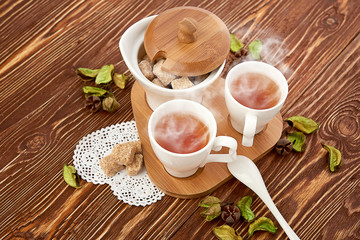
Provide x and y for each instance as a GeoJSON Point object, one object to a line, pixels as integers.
{"type": "Point", "coordinates": [300, 37]}
{"type": "Point", "coordinates": [42, 119]}
{"type": "Point", "coordinates": [308, 195]}
{"type": "Point", "coordinates": [333, 101]}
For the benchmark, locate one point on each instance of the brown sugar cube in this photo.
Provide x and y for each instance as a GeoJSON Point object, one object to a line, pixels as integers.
{"type": "Point", "coordinates": [110, 166]}
{"type": "Point", "coordinates": [157, 82]}
{"type": "Point", "coordinates": [135, 167]}
{"type": "Point", "coordinates": [146, 69]}
{"type": "Point", "coordinates": [164, 77]}
{"type": "Point", "coordinates": [181, 83]}
{"type": "Point", "coordinates": [198, 79]}
{"type": "Point", "coordinates": [147, 58]}
{"type": "Point", "coordinates": [138, 148]}
{"type": "Point", "coordinates": [124, 153]}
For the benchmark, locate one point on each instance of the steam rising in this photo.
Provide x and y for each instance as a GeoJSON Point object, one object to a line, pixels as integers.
{"type": "Point", "coordinates": [181, 133]}
{"type": "Point", "coordinates": [274, 53]}
{"type": "Point", "coordinates": [255, 91]}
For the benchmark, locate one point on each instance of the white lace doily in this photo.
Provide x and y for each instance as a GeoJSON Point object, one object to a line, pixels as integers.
{"type": "Point", "coordinates": [135, 190]}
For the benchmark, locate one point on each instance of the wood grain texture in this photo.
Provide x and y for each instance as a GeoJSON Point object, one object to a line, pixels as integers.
{"type": "Point", "coordinates": [314, 43]}
{"type": "Point", "coordinates": [208, 50]}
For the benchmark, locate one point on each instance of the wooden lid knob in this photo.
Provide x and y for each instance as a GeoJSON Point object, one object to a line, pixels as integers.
{"type": "Point", "coordinates": [193, 41]}
{"type": "Point", "coordinates": [187, 30]}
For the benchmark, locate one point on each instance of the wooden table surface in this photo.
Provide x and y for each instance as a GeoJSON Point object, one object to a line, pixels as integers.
{"type": "Point", "coordinates": [316, 44]}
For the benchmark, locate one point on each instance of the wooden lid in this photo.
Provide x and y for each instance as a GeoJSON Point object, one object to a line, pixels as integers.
{"type": "Point", "coordinates": [194, 41]}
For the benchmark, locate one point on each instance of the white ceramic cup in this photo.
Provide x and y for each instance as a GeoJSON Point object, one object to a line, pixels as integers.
{"type": "Point", "coordinates": [246, 120]}
{"type": "Point", "coordinates": [185, 165]}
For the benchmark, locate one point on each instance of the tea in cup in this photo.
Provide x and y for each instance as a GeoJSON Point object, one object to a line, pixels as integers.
{"type": "Point", "coordinates": [254, 94]}
{"type": "Point", "coordinates": [182, 134]}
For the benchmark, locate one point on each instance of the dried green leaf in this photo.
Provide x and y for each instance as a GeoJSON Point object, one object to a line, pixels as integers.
{"type": "Point", "coordinates": [211, 212]}
{"type": "Point", "coordinates": [255, 48]}
{"type": "Point", "coordinates": [235, 43]}
{"type": "Point", "coordinates": [225, 232]}
{"type": "Point", "coordinates": [262, 224]}
{"type": "Point", "coordinates": [94, 91]}
{"type": "Point", "coordinates": [210, 218]}
{"type": "Point", "coordinates": [87, 72]}
{"type": "Point", "coordinates": [110, 104]}
{"type": "Point", "coordinates": [105, 74]}
{"type": "Point", "coordinates": [70, 176]}
{"type": "Point", "coordinates": [244, 205]}
{"type": "Point", "coordinates": [208, 201]}
{"type": "Point", "coordinates": [304, 124]}
{"type": "Point", "coordinates": [120, 80]}
{"type": "Point", "coordinates": [298, 140]}
{"type": "Point", "coordinates": [335, 160]}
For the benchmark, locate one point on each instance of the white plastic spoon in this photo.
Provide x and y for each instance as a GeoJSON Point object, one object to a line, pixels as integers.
{"type": "Point", "coordinates": [246, 172]}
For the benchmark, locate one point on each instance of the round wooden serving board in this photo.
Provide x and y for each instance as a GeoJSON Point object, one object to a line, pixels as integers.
{"type": "Point", "coordinates": [205, 54]}
{"type": "Point", "coordinates": [213, 175]}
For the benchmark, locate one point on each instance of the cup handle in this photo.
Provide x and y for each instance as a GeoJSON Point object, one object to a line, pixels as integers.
{"type": "Point", "coordinates": [249, 130]}
{"type": "Point", "coordinates": [219, 143]}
